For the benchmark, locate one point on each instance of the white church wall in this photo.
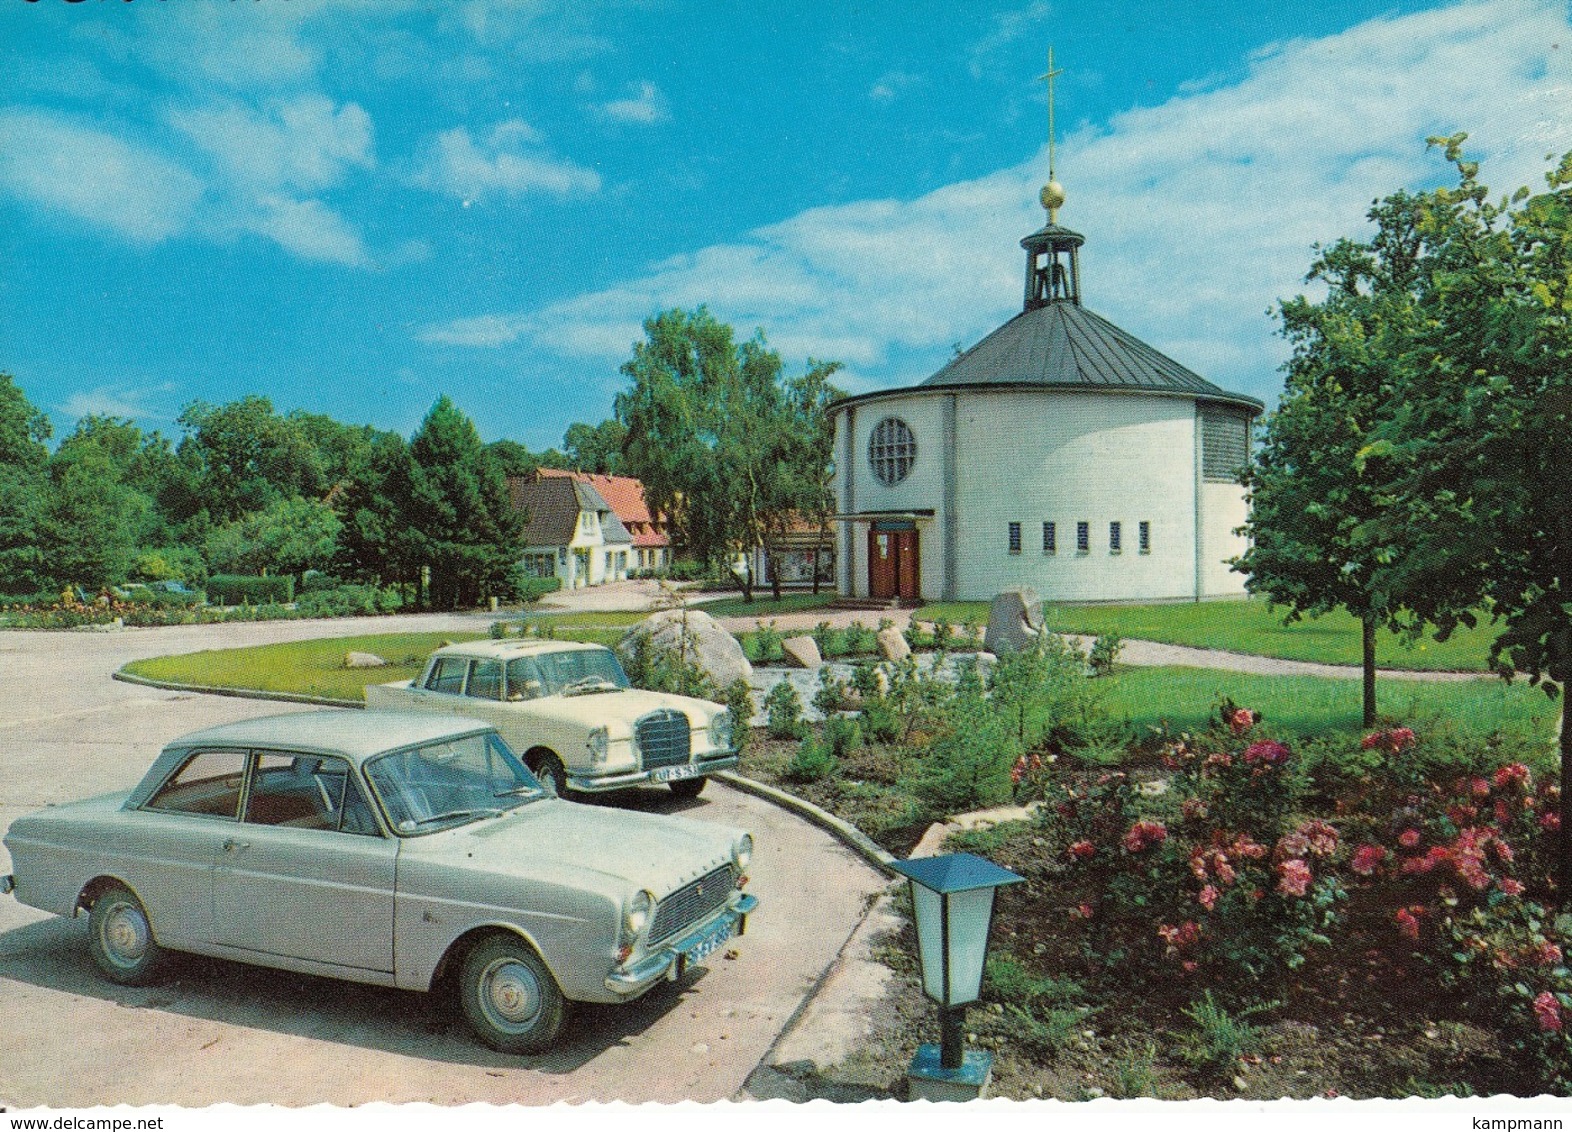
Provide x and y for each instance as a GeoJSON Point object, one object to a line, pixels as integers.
{"type": "Point", "coordinates": [1223, 511]}
{"type": "Point", "coordinates": [1066, 457]}
{"type": "Point", "coordinates": [921, 490]}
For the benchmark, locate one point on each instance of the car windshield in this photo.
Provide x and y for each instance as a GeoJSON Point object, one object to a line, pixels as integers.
{"type": "Point", "coordinates": [569, 672]}
{"type": "Point", "coordinates": [442, 785]}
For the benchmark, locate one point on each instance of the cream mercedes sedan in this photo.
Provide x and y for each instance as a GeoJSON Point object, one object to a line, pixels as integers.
{"type": "Point", "coordinates": [386, 848]}
{"type": "Point", "coordinates": [570, 711]}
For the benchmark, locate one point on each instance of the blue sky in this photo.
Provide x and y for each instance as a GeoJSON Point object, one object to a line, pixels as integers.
{"type": "Point", "coordinates": [354, 208]}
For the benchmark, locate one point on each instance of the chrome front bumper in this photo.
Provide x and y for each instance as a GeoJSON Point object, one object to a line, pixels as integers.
{"type": "Point", "coordinates": [591, 783]}
{"type": "Point", "coordinates": [671, 959]}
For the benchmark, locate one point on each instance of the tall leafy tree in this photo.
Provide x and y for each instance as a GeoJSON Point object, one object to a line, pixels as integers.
{"type": "Point", "coordinates": [99, 510]}
{"type": "Point", "coordinates": [460, 510]}
{"type": "Point", "coordinates": [23, 457]}
{"type": "Point", "coordinates": [718, 435]}
{"type": "Point", "coordinates": [1476, 457]}
{"type": "Point", "coordinates": [245, 456]}
{"type": "Point", "coordinates": [288, 536]}
{"type": "Point", "coordinates": [596, 448]}
{"type": "Point", "coordinates": [373, 501]}
{"type": "Point", "coordinates": [1310, 546]}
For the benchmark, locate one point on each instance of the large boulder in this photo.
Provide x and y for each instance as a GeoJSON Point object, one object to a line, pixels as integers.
{"type": "Point", "coordinates": [708, 646]}
{"type": "Point", "coordinates": [801, 652]}
{"type": "Point", "coordinates": [363, 660]}
{"type": "Point", "coordinates": [1015, 622]}
{"type": "Point", "coordinates": [893, 644]}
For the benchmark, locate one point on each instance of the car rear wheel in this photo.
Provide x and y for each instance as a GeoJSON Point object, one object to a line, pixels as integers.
{"type": "Point", "coordinates": [509, 996]}
{"type": "Point", "coordinates": [688, 787]}
{"type": "Point", "coordinates": [121, 938]}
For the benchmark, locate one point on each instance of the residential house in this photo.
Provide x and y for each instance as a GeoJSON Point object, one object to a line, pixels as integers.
{"type": "Point", "coordinates": [625, 494]}
{"type": "Point", "coordinates": [571, 531]}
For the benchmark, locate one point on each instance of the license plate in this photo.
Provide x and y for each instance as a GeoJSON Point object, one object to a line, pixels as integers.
{"type": "Point", "coordinates": [673, 773]}
{"type": "Point", "coordinates": [707, 946]}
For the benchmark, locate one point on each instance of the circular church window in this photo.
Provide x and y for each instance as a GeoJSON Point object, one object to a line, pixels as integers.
{"type": "Point", "coordinates": [892, 449]}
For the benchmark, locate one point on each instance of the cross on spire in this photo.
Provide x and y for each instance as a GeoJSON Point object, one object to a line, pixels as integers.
{"type": "Point", "coordinates": [1049, 78]}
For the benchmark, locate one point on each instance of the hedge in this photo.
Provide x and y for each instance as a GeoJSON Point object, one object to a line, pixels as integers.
{"type": "Point", "coordinates": [533, 589]}
{"type": "Point", "coordinates": [243, 589]}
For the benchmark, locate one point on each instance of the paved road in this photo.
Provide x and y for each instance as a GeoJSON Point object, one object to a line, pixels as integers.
{"type": "Point", "coordinates": [220, 1031]}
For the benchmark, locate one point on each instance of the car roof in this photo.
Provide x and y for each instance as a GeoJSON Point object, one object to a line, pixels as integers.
{"type": "Point", "coordinates": [355, 734]}
{"type": "Point", "coordinates": [507, 650]}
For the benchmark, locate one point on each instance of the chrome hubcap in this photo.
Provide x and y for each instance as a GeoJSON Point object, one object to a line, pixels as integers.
{"type": "Point", "coordinates": [125, 935]}
{"type": "Point", "coordinates": [511, 993]}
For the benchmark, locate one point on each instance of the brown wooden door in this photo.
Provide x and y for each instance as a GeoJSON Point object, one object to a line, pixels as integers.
{"type": "Point", "coordinates": [881, 563]}
{"type": "Point", "coordinates": [908, 582]}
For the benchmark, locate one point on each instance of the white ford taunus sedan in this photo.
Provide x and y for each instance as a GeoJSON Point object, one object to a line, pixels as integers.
{"type": "Point", "coordinates": [388, 848]}
{"type": "Point", "coordinates": [569, 710]}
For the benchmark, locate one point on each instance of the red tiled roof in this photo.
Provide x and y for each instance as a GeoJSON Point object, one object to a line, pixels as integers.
{"type": "Point", "coordinates": [626, 496]}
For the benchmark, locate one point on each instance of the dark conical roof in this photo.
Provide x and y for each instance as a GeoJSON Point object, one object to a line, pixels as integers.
{"type": "Point", "coordinates": [1064, 345]}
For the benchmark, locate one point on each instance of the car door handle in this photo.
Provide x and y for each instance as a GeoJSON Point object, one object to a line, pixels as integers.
{"type": "Point", "coordinates": [231, 845]}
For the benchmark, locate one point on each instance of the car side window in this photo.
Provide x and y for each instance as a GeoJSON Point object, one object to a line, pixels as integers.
{"type": "Point", "coordinates": [306, 792]}
{"type": "Point", "coordinates": [485, 682]}
{"type": "Point", "coordinates": [524, 682]}
{"type": "Point", "coordinates": [447, 675]}
{"type": "Point", "coordinates": [207, 785]}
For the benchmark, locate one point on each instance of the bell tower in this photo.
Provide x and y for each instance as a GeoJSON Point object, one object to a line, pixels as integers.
{"type": "Point", "coordinates": [1053, 266]}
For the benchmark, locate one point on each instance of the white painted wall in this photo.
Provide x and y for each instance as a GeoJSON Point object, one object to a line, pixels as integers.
{"type": "Point", "coordinates": [1223, 511]}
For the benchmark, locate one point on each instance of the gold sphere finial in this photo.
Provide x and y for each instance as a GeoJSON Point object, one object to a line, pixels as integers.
{"type": "Point", "coordinates": [1052, 196]}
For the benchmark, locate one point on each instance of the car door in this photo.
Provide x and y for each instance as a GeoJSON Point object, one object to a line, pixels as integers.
{"type": "Point", "coordinates": [443, 687]}
{"type": "Point", "coordinates": [308, 873]}
{"type": "Point", "coordinates": [184, 828]}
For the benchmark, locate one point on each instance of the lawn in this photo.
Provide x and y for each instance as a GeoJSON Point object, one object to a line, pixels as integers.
{"type": "Point", "coordinates": [314, 668]}
{"type": "Point", "coordinates": [763, 605]}
{"type": "Point", "coordinates": [1184, 699]}
{"type": "Point", "coordinates": [1248, 627]}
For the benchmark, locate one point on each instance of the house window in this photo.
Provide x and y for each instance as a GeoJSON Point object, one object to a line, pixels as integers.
{"type": "Point", "coordinates": [892, 449]}
{"type": "Point", "coordinates": [1225, 443]}
{"type": "Point", "coordinates": [1015, 538]}
{"type": "Point", "coordinates": [1050, 539]}
{"type": "Point", "coordinates": [1115, 537]}
{"type": "Point", "coordinates": [1083, 538]}
{"type": "Point", "coordinates": [1146, 537]}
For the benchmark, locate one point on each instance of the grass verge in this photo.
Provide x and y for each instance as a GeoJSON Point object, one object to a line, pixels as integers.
{"type": "Point", "coordinates": [1249, 627]}
{"type": "Point", "coordinates": [316, 667]}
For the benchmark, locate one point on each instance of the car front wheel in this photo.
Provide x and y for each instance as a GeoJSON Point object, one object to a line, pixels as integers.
{"type": "Point", "coordinates": [510, 998]}
{"type": "Point", "coordinates": [688, 787]}
{"type": "Point", "coordinates": [121, 938]}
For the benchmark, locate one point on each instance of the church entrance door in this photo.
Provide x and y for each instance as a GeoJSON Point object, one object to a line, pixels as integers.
{"type": "Point", "coordinates": [893, 564]}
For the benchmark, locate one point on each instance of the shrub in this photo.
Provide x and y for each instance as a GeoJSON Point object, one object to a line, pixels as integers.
{"type": "Point", "coordinates": [767, 644]}
{"type": "Point", "coordinates": [243, 589]}
{"type": "Point", "coordinates": [783, 710]}
{"type": "Point", "coordinates": [349, 601]}
{"type": "Point", "coordinates": [831, 642]}
{"type": "Point", "coordinates": [738, 698]}
{"type": "Point", "coordinates": [813, 762]}
{"type": "Point", "coordinates": [1104, 654]}
{"type": "Point", "coordinates": [843, 736]}
{"type": "Point", "coordinates": [860, 640]}
{"type": "Point", "coordinates": [968, 763]}
{"type": "Point", "coordinates": [658, 668]}
{"type": "Point", "coordinates": [529, 589]}
{"type": "Point", "coordinates": [832, 694]}
{"type": "Point", "coordinates": [1219, 1038]}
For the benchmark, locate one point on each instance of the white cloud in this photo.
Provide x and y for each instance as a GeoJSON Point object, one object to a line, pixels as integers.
{"type": "Point", "coordinates": [1007, 28]}
{"type": "Point", "coordinates": [309, 229]}
{"type": "Point", "coordinates": [1200, 213]}
{"type": "Point", "coordinates": [61, 166]}
{"type": "Point", "coordinates": [645, 108]}
{"type": "Point", "coordinates": [114, 401]}
{"type": "Point", "coordinates": [510, 161]}
{"type": "Point", "coordinates": [303, 143]}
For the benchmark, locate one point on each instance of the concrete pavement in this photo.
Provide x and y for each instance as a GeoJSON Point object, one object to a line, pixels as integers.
{"type": "Point", "coordinates": [218, 1031]}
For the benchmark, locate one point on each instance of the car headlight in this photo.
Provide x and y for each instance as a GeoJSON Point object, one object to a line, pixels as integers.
{"type": "Point", "coordinates": [598, 743]}
{"type": "Point", "coordinates": [636, 917]}
{"type": "Point", "coordinates": [742, 853]}
{"type": "Point", "coordinates": [720, 731]}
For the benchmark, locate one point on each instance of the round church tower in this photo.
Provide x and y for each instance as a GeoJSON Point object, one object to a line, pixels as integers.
{"type": "Point", "coordinates": [1059, 453]}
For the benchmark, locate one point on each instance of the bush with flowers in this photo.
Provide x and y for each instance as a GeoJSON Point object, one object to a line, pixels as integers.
{"type": "Point", "coordinates": [1214, 882]}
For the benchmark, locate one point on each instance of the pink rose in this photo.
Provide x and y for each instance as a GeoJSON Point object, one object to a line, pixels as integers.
{"type": "Point", "coordinates": [1241, 720]}
{"type": "Point", "coordinates": [1408, 838]}
{"type": "Point", "coordinates": [1367, 859]}
{"type": "Point", "coordinates": [1082, 849]}
{"type": "Point", "coordinates": [1547, 1011]}
{"type": "Point", "coordinates": [1293, 877]}
{"type": "Point", "coordinates": [1208, 897]}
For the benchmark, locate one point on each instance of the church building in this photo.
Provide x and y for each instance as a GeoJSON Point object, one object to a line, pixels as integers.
{"type": "Point", "coordinates": [1059, 453]}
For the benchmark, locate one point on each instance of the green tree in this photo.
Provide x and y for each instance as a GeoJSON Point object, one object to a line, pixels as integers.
{"type": "Point", "coordinates": [288, 536]}
{"type": "Point", "coordinates": [23, 456]}
{"type": "Point", "coordinates": [376, 543]}
{"type": "Point", "coordinates": [513, 458]}
{"type": "Point", "coordinates": [1310, 513]}
{"type": "Point", "coordinates": [596, 448]}
{"type": "Point", "coordinates": [1475, 460]}
{"type": "Point", "coordinates": [99, 511]}
{"type": "Point", "coordinates": [717, 434]}
{"type": "Point", "coordinates": [469, 532]}
{"type": "Point", "coordinates": [245, 456]}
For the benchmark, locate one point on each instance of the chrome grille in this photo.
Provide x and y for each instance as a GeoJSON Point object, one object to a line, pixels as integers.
{"type": "Point", "coordinates": [663, 738]}
{"type": "Point", "coordinates": [691, 903]}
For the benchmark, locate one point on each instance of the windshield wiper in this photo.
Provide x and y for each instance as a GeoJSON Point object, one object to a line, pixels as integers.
{"type": "Point", "coordinates": [520, 791]}
{"type": "Point", "coordinates": [485, 811]}
{"type": "Point", "coordinates": [590, 684]}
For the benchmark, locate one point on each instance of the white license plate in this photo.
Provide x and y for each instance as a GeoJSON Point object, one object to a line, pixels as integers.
{"type": "Point", "coordinates": [709, 945]}
{"type": "Point", "coordinates": [673, 773]}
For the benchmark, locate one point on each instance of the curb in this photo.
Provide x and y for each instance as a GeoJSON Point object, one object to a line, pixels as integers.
{"type": "Point", "coordinates": [848, 834]}
{"type": "Point", "coordinates": [238, 693]}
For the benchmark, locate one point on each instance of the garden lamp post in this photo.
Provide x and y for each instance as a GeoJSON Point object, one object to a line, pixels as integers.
{"type": "Point", "coordinates": [952, 899]}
